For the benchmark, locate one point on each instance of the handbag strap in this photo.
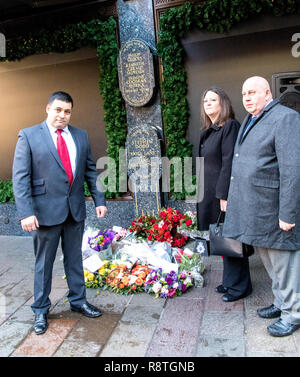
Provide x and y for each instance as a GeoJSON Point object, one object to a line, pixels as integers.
{"type": "Point", "coordinates": [219, 218]}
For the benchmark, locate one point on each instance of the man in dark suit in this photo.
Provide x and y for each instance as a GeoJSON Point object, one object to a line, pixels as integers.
{"type": "Point", "coordinates": [263, 208]}
{"type": "Point", "coordinates": [52, 160]}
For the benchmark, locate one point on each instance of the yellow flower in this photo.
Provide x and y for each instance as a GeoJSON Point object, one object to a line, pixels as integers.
{"type": "Point", "coordinates": [95, 281]}
{"type": "Point", "coordinates": [90, 277]}
{"type": "Point", "coordinates": [85, 273]}
{"type": "Point", "coordinates": [102, 271]}
{"type": "Point", "coordinates": [113, 266]}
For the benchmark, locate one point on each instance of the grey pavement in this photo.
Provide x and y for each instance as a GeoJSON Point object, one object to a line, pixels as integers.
{"type": "Point", "coordinates": [196, 324]}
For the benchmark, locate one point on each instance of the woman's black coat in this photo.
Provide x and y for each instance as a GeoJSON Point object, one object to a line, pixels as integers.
{"type": "Point", "coordinates": [216, 146]}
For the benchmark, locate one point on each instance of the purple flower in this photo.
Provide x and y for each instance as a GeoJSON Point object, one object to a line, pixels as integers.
{"type": "Point", "coordinates": [169, 280]}
{"type": "Point", "coordinates": [183, 288]}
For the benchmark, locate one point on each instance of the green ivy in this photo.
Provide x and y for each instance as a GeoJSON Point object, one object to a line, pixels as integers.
{"type": "Point", "coordinates": [6, 191]}
{"type": "Point", "coordinates": [215, 16]}
{"type": "Point", "coordinates": [102, 36]}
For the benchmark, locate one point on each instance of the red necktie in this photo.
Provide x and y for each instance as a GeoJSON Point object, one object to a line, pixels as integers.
{"type": "Point", "coordinates": [63, 152]}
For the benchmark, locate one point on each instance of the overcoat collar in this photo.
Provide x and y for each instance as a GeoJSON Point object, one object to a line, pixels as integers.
{"type": "Point", "coordinates": [247, 119]}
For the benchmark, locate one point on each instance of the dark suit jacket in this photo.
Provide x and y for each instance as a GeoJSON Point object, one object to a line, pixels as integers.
{"type": "Point", "coordinates": [40, 182]}
{"type": "Point", "coordinates": [216, 146]}
{"type": "Point", "coordinates": [265, 184]}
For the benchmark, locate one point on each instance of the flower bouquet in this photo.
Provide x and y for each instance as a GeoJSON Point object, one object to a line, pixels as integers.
{"type": "Point", "coordinates": [126, 280]}
{"type": "Point", "coordinates": [141, 226]}
{"type": "Point", "coordinates": [192, 263]}
{"type": "Point", "coordinates": [167, 285]}
{"type": "Point", "coordinates": [165, 228]}
{"type": "Point", "coordinates": [188, 225]}
{"type": "Point", "coordinates": [102, 242]}
{"type": "Point", "coordinates": [162, 228]}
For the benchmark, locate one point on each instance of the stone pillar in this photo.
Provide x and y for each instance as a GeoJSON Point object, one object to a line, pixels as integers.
{"type": "Point", "coordinates": [144, 119]}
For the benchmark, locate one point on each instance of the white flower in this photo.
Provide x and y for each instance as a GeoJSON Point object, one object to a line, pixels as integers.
{"type": "Point", "coordinates": [175, 285]}
{"type": "Point", "coordinates": [164, 290]}
{"type": "Point", "coordinates": [187, 280]}
{"type": "Point", "coordinates": [132, 279]}
{"type": "Point", "coordinates": [156, 287]}
{"type": "Point", "coordinates": [187, 252]}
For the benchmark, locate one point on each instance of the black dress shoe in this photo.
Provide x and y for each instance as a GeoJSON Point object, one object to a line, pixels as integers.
{"type": "Point", "coordinates": [269, 312]}
{"type": "Point", "coordinates": [87, 310]}
{"type": "Point", "coordinates": [282, 328]}
{"type": "Point", "coordinates": [40, 324]}
{"type": "Point", "coordinates": [221, 289]}
{"type": "Point", "coordinates": [229, 298]}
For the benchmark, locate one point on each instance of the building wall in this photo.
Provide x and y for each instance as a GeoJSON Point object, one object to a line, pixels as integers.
{"type": "Point", "coordinates": [227, 62]}
{"type": "Point", "coordinates": [25, 88]}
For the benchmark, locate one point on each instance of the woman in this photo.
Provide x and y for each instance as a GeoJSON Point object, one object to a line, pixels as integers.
{"type": "Point", "coordinates": [217, 139]}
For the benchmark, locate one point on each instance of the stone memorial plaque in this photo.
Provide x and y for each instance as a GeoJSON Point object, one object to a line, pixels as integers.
{"type": "Point", "coordinates": [144, 169]}
{"type": "Point", "coordinates": [136, 74]}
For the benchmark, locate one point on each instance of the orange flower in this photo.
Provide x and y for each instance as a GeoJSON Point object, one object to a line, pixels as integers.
{"type": "Point", "coordinates": [125, 281]}
{"type": "Point", "coordinates": [121, 285]}
{"type": "Point", "coordinates": [134, 287]}
{"type": "Point", "coordinates": [139, 281]}
{"type": "Point", "coordinates": [142, 275]}
{"type": "Point", "coordinates": [116, 281]}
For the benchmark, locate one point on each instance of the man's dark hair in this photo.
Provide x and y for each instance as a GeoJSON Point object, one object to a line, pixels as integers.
{"type": "Point", "coordinates": [61, 96]}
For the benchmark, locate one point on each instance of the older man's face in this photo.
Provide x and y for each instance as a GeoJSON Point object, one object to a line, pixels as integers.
{"type": "Point", "coordinates": [255, 96]}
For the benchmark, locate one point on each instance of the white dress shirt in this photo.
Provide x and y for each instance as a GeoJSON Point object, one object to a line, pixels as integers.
{"type": "Point", "coordinates": [66, 134]}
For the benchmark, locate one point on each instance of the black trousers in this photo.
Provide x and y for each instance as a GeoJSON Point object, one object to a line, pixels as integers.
{"type": "Point", "coordinates": [45, 241]}
{"type": "Point", "coordinates": [236, 276]}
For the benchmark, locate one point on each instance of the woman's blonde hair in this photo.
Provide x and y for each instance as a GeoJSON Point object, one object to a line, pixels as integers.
{"type": "Point", "coordinates": [226, 108]}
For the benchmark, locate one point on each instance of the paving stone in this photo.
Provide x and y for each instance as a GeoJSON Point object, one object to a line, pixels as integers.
{"type": "Point", "coordinates": [194, 293]}
{"type": "Point", "coordinates": [171, 350]}
{"type": "Point", "coordinates": [56, 295]}
{"type": "Point", "coordinates": [78, 348]}
{"type": "Point", "coordinates": [259, 340]}
{"type": "Point", "coordinates": [270, 354]}
{"type": "Point", "coordinates": [214, 300]}
{"type": "Point", "coordinates": [145, 299]}
{"type": "Point", "coordinates": [3, 316]}
{"type": "Point", "coordinates": [142, 314]}
{"type": "Point", "coordinates": [212, 346]}
{"type": "Point", "coordinates": [179, 323]}
{"type": "Point", "coordinates": [296, 336]}
{"type": "Point", "coordinates": [261, 295]}
{"type": "Point", "coordinates": [47, 343]}
{"type": "Point", "coordinates": [95, 330]}
{"type": "Point", "coordinates": [222, 324]}
{"type": "Point", "coordinates": [59, 282]}
{"type": "Point", "coordinates": [129, 340]}
{"type": "Point", "coordinates": [110, 302]}
{"type": "Point", "coordinates": [11, 334]}
{"type": "Point", "coordinates": [171, 334]}
{"type": "Point", "coordinates": [23, 314]}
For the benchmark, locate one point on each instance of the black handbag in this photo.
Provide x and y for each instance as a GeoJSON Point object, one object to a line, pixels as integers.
{"type": "Point", "coordinates": [227, 247]}
{"type": "Point", "coordinates": [201, 246]}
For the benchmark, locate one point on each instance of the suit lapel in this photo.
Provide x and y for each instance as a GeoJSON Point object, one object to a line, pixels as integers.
{"type": "Point", "coordinates": [242, 128]}
{"type": "Point", "coordinates": [46, 136]}
{"type": "Point", "coordinates": [246, 120]}
{"type": "Point", "coordinates": [78, 148]}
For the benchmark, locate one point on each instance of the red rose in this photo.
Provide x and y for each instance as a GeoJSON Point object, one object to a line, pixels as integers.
{"type": "Point", "coordinates": [188, 222]}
